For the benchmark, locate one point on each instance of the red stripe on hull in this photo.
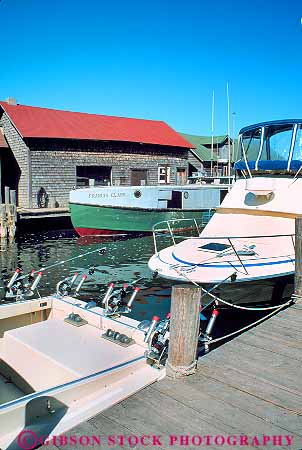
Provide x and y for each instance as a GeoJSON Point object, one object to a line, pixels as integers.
{"type": "Point", "coordinates": [95, 232]}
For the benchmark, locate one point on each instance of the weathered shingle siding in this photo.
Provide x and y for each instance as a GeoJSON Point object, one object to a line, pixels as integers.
{"type": "Point", "coordinates": [54, 163]}
{"type": "Point", "coordinates": [21, 153]}
{"type": "Point", "coordinates": [195, 161]}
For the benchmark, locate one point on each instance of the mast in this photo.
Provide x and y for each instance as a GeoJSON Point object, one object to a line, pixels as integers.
{"type": "Point", "coordinates": [229, 142]}
{"type": "Point", "coordinates": [212, 132]}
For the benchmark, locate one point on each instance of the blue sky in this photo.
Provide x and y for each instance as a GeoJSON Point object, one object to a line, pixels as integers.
{"type": "Point", "coordinates": [155, 60]}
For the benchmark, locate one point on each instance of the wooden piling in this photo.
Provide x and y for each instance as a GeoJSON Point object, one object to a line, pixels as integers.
{"type": "Point", "coordinates": [3, 227]}
{"type": "Point", "coordinates": [12, 196]}
{"type": "Point", "coordinates": [298, 256]}
{"type": "Point", "coordinates": [6, 195]}
{"type": "Point", "coordinates": [11, 220]}
{"type": "Point", "coordinates": [184, 330]}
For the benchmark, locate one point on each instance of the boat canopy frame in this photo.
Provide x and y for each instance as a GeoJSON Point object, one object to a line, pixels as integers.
{"type": "Point", "coordinates": [256, 165]}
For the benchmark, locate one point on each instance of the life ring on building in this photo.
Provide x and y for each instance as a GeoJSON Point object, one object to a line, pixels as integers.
{"type": "Point", "coordinates": [42, 198]}
{"type": "Point", "coordinates": [137, 194]}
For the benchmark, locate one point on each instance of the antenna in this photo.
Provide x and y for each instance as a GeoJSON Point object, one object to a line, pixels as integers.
{"type": "Point", "coordinates": [229, 143]}
{"type": "Point", "coordinates": [212, 144]}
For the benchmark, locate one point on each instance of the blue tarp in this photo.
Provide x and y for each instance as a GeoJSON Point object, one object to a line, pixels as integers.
{"type": "Point", "coordinates": [269, 165]}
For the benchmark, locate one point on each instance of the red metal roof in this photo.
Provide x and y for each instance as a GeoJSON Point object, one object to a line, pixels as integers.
{"type": "Point", "coordinates": [34, 122]}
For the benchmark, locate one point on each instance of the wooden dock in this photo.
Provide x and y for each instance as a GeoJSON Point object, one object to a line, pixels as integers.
{"type": "Point", "coordinates": [250, 386]}
{"type": "Point", "coordinates": [42, 213]}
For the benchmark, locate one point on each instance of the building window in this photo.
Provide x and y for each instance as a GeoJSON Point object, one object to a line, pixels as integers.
{"type": "Point", "coordinates": [86, 174]}
{"type": "Point", "coordinates": [164, 174]}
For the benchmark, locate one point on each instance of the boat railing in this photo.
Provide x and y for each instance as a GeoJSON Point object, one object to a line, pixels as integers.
{"type": "Point", "coordinates": [174, 238]}
{"type": "Point", "coordinates": [173, 227]}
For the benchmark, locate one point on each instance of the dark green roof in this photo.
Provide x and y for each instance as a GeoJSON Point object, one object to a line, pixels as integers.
{"type": "Point", "coordinates": [201, 151]}
{"type": "Point", "coordinates": [204, 153]}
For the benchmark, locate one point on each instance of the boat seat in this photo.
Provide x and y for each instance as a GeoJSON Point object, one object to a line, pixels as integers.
{"type": "Point", "coordinates": [54, 352]}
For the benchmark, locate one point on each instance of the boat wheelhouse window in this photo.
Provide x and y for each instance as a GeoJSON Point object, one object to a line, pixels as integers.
{"type": "Point", "coordinates": [214, 247]}
{"type": "Point", "coordinates": [277, 142]}
{"type": "Point", "coordinates": [297, 152]}
{"type": "Point", "coordinates": [250, 142]}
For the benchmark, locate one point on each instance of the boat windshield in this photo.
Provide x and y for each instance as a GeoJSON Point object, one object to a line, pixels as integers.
{"type": "Point", "coordinates": [297, 152]}
{"type": "Point", "coordinates": [271, 146]}
{"type": "Point", "coordinates": [250, 142]}
{"type": "Point", "coordinates": [277, 143]}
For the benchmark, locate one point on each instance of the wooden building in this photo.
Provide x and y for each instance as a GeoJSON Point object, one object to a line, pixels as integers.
{"type": "Point", "coordinates": [59, 150]}
{"type": "Point", "coordinates": [203, 159]}
{"type": "Point", "coordinates": [3, 155]}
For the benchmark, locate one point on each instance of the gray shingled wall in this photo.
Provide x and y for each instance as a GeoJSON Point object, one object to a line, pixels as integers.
{"type": "Point", "coordinates": [55, 170]}
{"type": "Point", "coordinates": [21, 153]}
{"type": "Point", "coordinates": [52, 163]}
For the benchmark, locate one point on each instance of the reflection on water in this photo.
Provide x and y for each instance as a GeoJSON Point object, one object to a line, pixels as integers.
{"type": "Point", "coordinates": [124, 261]}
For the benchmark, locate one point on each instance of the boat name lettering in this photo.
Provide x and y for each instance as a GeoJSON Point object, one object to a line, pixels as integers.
{"type": "Point", "coordinates": [106, 195]}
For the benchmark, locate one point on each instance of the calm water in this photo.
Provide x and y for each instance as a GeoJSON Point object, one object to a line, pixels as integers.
{"type": "Point", "coordinates": [124, 261]}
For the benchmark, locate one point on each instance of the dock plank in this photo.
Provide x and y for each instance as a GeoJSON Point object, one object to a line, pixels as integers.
{"type": "Point", "coordinates": [235, 417]}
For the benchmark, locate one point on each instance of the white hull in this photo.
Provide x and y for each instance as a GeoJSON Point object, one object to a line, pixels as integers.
{"type": "Point", "coordinates": [63, 374]}
{"type": "Point", "coordinates": [253, 241]}
{"type": "Point", "coordinates": [191, 196]}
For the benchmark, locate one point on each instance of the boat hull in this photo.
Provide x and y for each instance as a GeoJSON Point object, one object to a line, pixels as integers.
{"type": "Point", "coordinates": [189, 261]}
{"type": "Point", "coordinates": [93, 220]}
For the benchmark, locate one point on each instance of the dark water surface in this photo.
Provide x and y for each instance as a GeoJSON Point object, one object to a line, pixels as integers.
{"type": "Point", "coordinates": [124, 261]}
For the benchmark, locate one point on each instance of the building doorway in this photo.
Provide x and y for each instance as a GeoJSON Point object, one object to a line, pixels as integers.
{"type": "Point", "coordinates": [181, 177]}
{"type": "Point", "coordinates": [10, 172]}
{"type": "Point", "coordinates": [100, 174]}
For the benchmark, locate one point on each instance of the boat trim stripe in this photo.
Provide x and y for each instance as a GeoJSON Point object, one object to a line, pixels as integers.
{"type": "Point", "coordinates": [136, 208]}
{"type": "Point", "coordinates": [257, 212]}
{"type": "Point", "coordinates": [223, 266]}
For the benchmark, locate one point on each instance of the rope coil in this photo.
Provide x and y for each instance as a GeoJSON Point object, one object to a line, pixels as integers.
{"type": "Point", "coordinates": [180, 371]}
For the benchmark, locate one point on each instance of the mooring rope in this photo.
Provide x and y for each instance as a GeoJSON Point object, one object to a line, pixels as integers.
{"type": "Point", "coordinates": [248, 326]}
{"type": "Point", "coordinates": [246, 308]}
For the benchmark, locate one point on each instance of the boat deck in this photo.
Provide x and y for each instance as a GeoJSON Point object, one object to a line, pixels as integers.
{"type": "Point", "coordinates": [250, 386]}
{"type": "Point", "coordinates": [62, 352]}
{"type": "Point", "coordinates": [8, 391]}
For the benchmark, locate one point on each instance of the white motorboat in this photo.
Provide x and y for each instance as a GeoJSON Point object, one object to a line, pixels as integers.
{"type": "Point", "coordinates": [251, 236]}
{"type": "Point", "coordinates": [62, 361]}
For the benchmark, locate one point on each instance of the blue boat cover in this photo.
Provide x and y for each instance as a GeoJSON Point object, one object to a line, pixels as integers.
{"type": "Point", "coordinates": [269, 165]}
